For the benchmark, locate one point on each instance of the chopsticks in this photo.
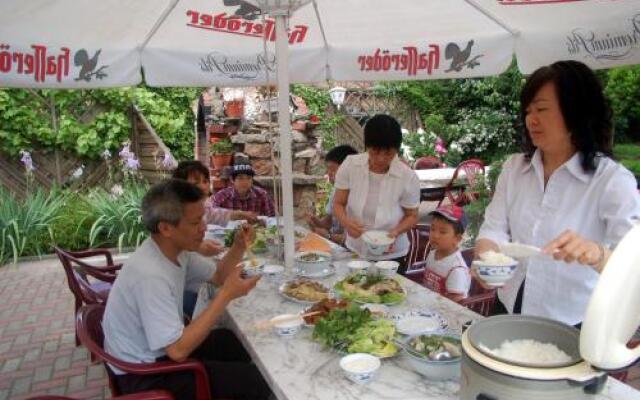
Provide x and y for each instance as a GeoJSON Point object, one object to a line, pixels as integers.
{"type": "Point", "coordinates": [271, 322]}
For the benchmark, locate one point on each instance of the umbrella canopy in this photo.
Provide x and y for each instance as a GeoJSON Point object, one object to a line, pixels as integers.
{"type": "Point", "coordinates": [600, 33]}
{"type": "Point", "coordinates": [106, 43]}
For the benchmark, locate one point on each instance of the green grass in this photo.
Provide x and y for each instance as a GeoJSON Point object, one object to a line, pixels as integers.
{"type": "Point", "coordinates": [629, 155]}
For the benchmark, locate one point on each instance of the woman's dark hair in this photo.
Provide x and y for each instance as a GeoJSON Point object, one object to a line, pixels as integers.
{"type": "Point", "coordinates": [186, 169]}
{"type": "Point", "coordinates": [382, 132]}
{"type": "Point", "coordinates": [339, 153]}
{"type": "Point", "coordinates": [164, 202]}
{"type": "Point", "coordinates": [585, 109]}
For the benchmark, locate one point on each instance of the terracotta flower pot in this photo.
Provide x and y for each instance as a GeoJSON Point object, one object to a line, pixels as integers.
{"type": "Point", "coordinates": [234, 108]}
{"type": "Point", "coordinates": [299, 125]}
{"type": "Point", "coordinates": [221, 160]}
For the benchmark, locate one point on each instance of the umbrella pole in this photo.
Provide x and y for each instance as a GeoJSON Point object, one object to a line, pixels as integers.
{"type": "Point", "coordinates": [282, 56]}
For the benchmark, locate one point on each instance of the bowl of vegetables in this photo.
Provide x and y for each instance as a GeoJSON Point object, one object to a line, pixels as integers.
{"type": "Point", "coordinates": [435, 356]}
{"type": "Point", "coordinates": [312, 262]}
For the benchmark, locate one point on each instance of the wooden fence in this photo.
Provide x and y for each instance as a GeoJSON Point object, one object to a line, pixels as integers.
{"type": "Point", "coordinates": [61, 169]}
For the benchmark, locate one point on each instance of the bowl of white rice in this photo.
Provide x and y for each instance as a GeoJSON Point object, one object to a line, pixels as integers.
{"type": "Point", "coordinates": [377, 242]}
{"type": "Point", "coordinates": [494, 268]}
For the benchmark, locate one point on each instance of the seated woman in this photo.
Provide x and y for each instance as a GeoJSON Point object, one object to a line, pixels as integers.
{"type": "Point", "coordinates": [328, 225]}
{"type": "Point", "coordinates": [376, 191]}
{"type": "Point", "coordinates": [243, 194]}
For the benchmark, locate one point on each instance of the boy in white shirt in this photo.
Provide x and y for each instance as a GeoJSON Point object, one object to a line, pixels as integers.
{"type": "Point", "coordinates": [445, 271]}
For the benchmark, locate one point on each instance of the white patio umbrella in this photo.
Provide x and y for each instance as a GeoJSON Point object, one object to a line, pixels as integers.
{"type": "Point", "coordinates": [105, 43]}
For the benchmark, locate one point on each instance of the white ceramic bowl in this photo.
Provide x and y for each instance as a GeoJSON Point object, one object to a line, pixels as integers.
{"type": "Point", "coordinates": [377, 242]}
{"type": "Point", "coordinates": [434, 370]}
{"type": "Point", "coordinates": [312, 267]}
{"type": "Point", "coordinates": [360, 367]}
{"type": "Point", "coordinates": [253, 267]}
{"type": "Point", "coordinates": [272, 270]}
{"type": "Point", "coordinates": [356, 266]}
{"type": "Point", "coordinates": [387, 268]}
{"type": "Point", "coordinates": [288, 327]}
{"type": "Point", "coordinates": [495, 275]}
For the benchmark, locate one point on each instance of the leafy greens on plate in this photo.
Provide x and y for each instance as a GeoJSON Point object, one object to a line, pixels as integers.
{"type": "Point", "coordinates": [353, 330]}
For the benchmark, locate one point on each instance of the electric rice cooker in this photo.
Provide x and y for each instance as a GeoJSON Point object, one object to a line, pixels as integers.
{"type": "Point", "coordinates": [612, 317]}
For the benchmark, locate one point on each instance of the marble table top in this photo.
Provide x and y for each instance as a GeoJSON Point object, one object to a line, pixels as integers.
{"type": "Point", "coordinates": [299, 368]}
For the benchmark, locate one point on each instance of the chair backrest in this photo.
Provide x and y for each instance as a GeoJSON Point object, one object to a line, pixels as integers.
{"type": "Point", "coordinates": [471, 169]}
{"type": "Point", "coordinates": [428, 162]}
{"type": "Point", "coordinates": [78, 273]}
{"type": "Point", "coordinates": [148, 395]}
{"type": "Point", "coordinates": [89, 330]}
{"type": "Point", "coordinates": [418, 245]}
{"type": "Point", "coordinates": [467, 254]}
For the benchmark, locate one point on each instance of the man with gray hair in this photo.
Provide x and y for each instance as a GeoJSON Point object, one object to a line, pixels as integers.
{"type": "Point", "coordinates": [143, 320]}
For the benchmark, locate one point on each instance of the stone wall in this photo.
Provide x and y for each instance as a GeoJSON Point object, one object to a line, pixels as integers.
{"type": "Point", "coordinates": [256, 141]}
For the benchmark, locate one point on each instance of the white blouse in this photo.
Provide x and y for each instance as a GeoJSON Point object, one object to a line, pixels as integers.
{"type": "Point", "coordinates": [601, 206]}
{"type": "Point", "coordinates": [399, 188]}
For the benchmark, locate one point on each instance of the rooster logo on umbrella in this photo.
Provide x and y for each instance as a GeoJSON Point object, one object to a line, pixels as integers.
{"type": "Point", "coordinates": [246, 10]}
{"type": "Point", "coordinates": [460, 58]}
{"type": "Point", "coordinates": [88, 66]}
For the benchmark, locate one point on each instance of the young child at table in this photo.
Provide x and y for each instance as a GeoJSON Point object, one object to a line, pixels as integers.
{"type": "Point", "coordinates": [445, 271]}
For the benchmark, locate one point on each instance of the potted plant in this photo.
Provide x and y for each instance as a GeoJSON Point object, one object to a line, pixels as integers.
{"type": "Point", "coordinates": [221, 153]}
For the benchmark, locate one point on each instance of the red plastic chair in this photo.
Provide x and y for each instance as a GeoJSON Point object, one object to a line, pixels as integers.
{"type": "Point", "coordinates": [428, 162]}
{"type": "Point", "coordinates": [89, 284]}
{"type": "Point", "coordinates": [148, 395]}
{"type": "Point", "coordinates": [480, 300]}
{"type": "Point", "coordinates": [418, 248]}
{"type": "Point", "coordinates": [89, 329]}
{"type": "Point", "coordinates": [456, 192]}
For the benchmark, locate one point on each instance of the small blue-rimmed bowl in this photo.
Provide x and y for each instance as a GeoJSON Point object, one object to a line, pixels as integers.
{"type": "Point", "coordinates": [289, 326]}
{"type": "Point", "coordinates": [360, 367]}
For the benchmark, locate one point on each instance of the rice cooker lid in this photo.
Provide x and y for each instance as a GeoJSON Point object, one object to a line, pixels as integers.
{"type": "Point", "coordinates": [613, 312]}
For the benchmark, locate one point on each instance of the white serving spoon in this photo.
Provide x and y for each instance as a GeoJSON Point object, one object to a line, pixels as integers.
{"type": "Point", "coordinates": [519, 250]}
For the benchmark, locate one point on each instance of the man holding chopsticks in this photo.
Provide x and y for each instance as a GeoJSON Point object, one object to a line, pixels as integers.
{"type": "Point", "coordinates": [143, 320]}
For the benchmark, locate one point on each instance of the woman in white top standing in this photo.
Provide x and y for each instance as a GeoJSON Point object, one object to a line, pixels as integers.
{"type": "Point", "coordinates": [375, 190]}
{"type": "Point", "coordinates": [564, 194]}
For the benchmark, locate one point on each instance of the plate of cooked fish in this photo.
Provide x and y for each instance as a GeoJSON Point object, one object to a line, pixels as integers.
{"type": "Point", "coordinates": [364, 288]}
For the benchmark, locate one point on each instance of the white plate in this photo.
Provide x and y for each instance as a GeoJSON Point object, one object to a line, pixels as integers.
{"type": "Point", "coordinates": [330, 270]}
{"type": "Point", "coordinates": [295, 300]}
{"type": "Point", "coordinates": [519, 250]}
{"type": "Point", "coordinates": [418, 322]}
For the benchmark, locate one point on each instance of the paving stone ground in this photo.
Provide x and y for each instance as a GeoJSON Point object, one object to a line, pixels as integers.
{"type": "Point", "coordinates": [37, 338]}
{"type": "Point", "coordinates": [38, 354]}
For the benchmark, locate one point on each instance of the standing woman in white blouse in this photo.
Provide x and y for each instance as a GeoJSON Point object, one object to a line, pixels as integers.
{"type": "Point", "coordinates": [564, 194]}
{"type": "Point", "coordinates": [375, 190]}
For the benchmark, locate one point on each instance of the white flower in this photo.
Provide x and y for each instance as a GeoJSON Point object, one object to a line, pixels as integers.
{"type": "Point", "coordinates": [117, 190]}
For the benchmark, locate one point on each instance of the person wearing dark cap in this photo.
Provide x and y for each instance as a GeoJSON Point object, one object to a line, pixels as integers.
{"type": "Point", "coordinates": [445, 270]}
{"type": "Point", "coordinates": [243, 194]}
{"type": "Point", "coordinates": [376, 191]}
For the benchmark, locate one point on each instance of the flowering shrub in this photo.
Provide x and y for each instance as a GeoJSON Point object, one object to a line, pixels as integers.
{"type": "Point", "coordinates": [484, 133]}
